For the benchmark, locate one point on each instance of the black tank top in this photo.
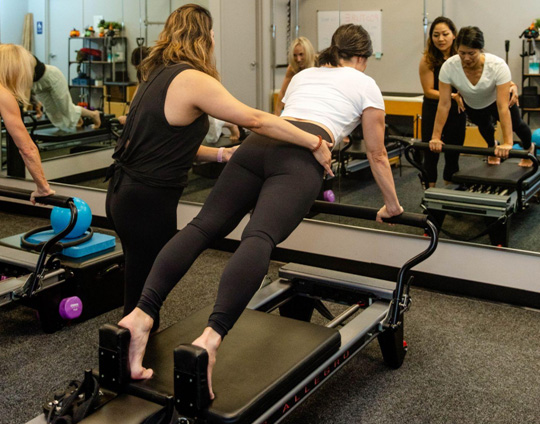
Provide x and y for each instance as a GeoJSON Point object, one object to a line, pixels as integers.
{"type": "Point", "coordinates": [436, 71]}
{"type": "Point", "coordinates": [39, 69]}
{"type": "Point", "coordinates": [158, 154]}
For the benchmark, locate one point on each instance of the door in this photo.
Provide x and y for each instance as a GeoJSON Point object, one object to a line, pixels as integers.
{"type": "Point", "coordinates": [238, 42]}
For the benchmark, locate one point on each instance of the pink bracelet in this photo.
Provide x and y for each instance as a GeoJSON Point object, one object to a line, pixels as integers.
{"type": "Point", "coordinates": [220, 154]}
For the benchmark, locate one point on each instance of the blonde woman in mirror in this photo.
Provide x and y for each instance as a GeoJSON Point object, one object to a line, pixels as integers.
{"type": "Point", "coordinates": [301, 56]}
{"type": "Point", "coordinates": [15, 83]}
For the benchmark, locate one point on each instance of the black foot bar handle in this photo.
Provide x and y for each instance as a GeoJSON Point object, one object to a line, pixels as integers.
{"type": "Point", "coordinates": [406, 218]}
{"type": "Point", "coordinates": [33, 282]}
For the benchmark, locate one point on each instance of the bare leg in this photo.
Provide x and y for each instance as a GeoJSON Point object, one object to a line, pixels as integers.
{"type": "Point", "coordinates": [209, 340]}
{"type": "Point", "coordinates": [94, 114]}
{"type": "Point", "coordinates": [139, 324]}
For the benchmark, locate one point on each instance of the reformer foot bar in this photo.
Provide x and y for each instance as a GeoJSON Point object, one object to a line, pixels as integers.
{"type": "Point", "coordinates": [268, 363]}
{"type": "Point", "coordinates": [495, 192]}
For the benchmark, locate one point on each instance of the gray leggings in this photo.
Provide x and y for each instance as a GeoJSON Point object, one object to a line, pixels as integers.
{"type": "Point", "coordinates": [279, 181]}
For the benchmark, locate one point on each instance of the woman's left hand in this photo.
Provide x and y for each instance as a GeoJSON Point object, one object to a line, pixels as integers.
{"type": "Point", "coordinates": [459, 100]}
{"type": "Point", "coordinates": [324, 157]}
{"type": "Point", "coordinates": [228, 152]}
{"type": "Point", "coordinates": [514, 98]}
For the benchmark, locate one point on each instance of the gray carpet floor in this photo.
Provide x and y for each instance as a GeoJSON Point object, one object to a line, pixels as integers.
{"type": "Point", "coordinates": [469, 361]}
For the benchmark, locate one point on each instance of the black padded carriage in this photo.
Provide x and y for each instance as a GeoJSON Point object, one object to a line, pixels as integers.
{"type": "Point", "coordinates": [286, 349]}
{"type": "Point", "coordinates": [476, 171]}
{"type": "Point", "coordinates": [53, 134]}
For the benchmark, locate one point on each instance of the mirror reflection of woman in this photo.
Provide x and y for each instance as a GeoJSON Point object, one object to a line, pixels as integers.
{"type": "Point", "coordinates": [301, 56]}
{"type": "Point", "coordinates": [440, 46]}
{"type": "Point", "coordinates": [16, 68]}
{"type": "Point", "coordinates": [484, 82]}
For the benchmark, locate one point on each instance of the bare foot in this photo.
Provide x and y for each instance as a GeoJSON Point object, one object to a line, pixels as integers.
{"type": "Point", "coordinates": [526, 163]}
{"type": "Point", "coordinates": [139, 324]}
{"type": "Point", "coordinates": [209, 340]}
{"type": "Point", "coordinates": [96, 119]}
{"type": "Point", "coordinates": [494, 160]}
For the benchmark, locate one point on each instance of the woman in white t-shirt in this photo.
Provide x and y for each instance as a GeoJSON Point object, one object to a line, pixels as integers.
{"type": "Point", "coordinates": [278, 182]}
{"type": "Point", "coordinates": [483, 81]}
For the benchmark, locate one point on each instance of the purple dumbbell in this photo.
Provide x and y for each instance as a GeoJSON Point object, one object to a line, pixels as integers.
{"type": "Point", "coordinates": [329, 196]}
{"type": "Point", "coordinates": [70, 307]}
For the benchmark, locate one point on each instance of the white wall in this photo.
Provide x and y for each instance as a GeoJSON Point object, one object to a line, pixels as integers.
{"type": "Point", "coordinates": [12, 20]}
{"type": "Point", "coordinates": [402, 26]}
{"type": "Point", "coordinates": [38, 9]}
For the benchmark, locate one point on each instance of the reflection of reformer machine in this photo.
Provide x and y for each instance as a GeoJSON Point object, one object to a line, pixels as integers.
{"type": "Point", "coordinates": [268, 364]}
{"type": "Point", "coordinates": [494, 192]}
{"type": "Point", "coordinates": [352, 157]}
{"type": "Point", "coordinates": [63, 279]}
{"type": "Point", "coordinates": [51, 140]}
{"type": "Point", "coordinates": [213, 169]}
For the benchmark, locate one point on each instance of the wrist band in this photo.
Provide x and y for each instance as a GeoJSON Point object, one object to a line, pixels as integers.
{"type": "Point", "coordinates": [318, 145]}
{"type": "Point", "coordinates": [220, 154]}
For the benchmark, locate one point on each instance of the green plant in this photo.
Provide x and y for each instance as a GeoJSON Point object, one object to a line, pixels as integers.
{"type": "Point", "coordinates": [106, 24]}
{"type": "Point", "coordinates": [538, 23]}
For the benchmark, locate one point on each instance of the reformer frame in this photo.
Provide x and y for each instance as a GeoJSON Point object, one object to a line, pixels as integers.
{"type": "Point", "coordinates": [382, 305]}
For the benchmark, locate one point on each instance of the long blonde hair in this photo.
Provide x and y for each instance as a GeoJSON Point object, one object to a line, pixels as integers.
{"type": "Point", "coordinates": [309, 54]}
{"type": "Point", "coordinates": [186, 38]}
{"type": "Point", "coordinates": [17, 71]}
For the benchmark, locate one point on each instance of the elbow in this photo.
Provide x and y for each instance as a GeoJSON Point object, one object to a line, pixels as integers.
{"type": "Point", "coordinates": [378, 157]}
{"type": "Point", "coordinates": [254, 123]}
{"type": "Point", "coordinates": [28, 150]}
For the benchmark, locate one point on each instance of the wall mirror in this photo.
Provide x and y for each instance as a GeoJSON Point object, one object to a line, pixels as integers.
{"type": "Point", "coordinates": [252, 38]}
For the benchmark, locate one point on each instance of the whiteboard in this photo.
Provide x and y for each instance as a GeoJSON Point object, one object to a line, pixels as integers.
{"type": "Point", "coordinates": [329, 20]}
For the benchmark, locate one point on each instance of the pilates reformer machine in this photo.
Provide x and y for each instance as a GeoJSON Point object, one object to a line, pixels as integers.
{"type": "Point", "coordinates": [352, 156]}
{"type": "Point", "coordinates": [495, 192]}
{"type": "Point", "coordinates": [268, 364]}
{"type": "Point", "coordinates": [63, 279]}
{"type": "Point", "coordinates": [55, 144]}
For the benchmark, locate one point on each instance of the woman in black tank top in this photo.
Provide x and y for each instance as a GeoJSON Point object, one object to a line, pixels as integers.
{"type": "Point", "coordinates": [440, 46]}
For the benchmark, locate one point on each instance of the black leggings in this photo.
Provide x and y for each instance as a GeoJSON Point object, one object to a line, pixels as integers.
{"type": "Point", "coordinates": [145, 220]}
{"type": "Point", "coordinates": [486, 119]}
{"type": "Point", "coordinates": [280, 182]}
{"type": "Point", "coordinates": [453, 133]}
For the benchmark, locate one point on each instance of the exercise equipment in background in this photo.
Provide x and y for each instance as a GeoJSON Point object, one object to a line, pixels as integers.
{"type": "Point", "coordinates": [62, 278]}
{"type": "Point", "coordinates": [493, 192]}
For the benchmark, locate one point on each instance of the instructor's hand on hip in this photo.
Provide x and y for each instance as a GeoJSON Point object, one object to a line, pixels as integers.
{"type": "Point", "coordinates": [324, 157]}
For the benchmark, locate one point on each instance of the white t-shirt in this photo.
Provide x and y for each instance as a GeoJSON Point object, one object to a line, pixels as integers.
{"type": "Point", "coordinates": [496, 72]}
{"type": "Point", "coordinates": [334, 97]}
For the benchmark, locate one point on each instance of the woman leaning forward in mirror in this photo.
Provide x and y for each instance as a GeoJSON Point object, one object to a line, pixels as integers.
{"type": "Point", "coordinates": [16, 72]}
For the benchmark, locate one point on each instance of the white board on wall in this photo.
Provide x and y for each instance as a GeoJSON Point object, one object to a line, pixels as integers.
{"type": "Point", "coordinates": [329, 20]}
